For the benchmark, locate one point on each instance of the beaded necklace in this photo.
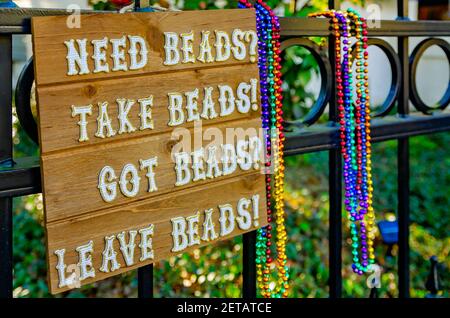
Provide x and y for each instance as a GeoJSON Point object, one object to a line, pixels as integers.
{"type": "Point", "coordinates": [354, 130]}
{"type": "Point", "coordinates": [268, 30]}
{"type": "Point", "coordinates": [363, 103]}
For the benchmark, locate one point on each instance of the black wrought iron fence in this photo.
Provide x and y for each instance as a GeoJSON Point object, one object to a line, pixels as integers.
{"type": "Point", "coordinates": [21, 176]}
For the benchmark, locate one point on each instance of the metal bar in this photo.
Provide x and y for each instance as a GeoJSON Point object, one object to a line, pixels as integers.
{"type": "Point", "coordinates": [24, 178]}
{"type": "Point", "coordinates": [403, 216]}
{"type": "Point", "coordinates": [6, 153]}
{"type": "Point", "coordinates": [6, 144]}
{"type": "Point", "coordinates": [325, 137]}
{"type": "Point", "coordinates": [403, 163]}
{"type": "Point", "coordinates": [334, 4]}
{"type": "Point", "coordinates": [335, 219]}
{"type": "Point", "coordinates": [6, 257]}
{"type": "Point", "coordinates": [334, 183]}
{"type": "Point", "coordinates": [291, 27]}
{"type": "Point", "coordinates": [17, 21]}
{"type": "Point", "coordinates": [145, 281]}
{"type": "Point", "coordinates": [403, 9]}
{"type": "Point", "coordinates": [249, 265]}
{"type": "Point", "coordinates": [145, 274]}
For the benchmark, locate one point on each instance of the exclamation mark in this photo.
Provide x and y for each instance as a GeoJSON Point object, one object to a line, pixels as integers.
{"type": "Point", "coordinates": [255, 203]}
{"type": "Point", "coordinates": [254, 93]}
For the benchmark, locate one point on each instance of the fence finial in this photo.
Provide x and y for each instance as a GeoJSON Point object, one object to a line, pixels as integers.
{"type": "Point", "coordinates": [432, 284]}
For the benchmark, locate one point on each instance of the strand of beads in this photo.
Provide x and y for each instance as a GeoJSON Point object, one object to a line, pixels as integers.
{"type": "Point", "coordinates": [354, 134]}
{"type": "Point", "coordinates": [347, 119]}
{"type": "Point", "coordinates": [263, 234]}
{"type": "Point", "coordinates": [363, 102]}
{"type": "Point", "coordinates": [278, 140]}
{"type": "Point", "coordinates": [268, 30]}
{"type": "Point", "coordinates": [352, 155]}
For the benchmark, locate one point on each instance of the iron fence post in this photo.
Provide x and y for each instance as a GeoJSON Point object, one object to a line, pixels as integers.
{"type": "Point", "coordinates": [403, 162]}
{"type": "Point", "coordinates": [249, 265]}
{"type": "Point", "coordinates": [6, 154]}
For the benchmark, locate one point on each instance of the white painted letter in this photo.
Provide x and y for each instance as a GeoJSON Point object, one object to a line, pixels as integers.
{"type": "Point", "coordinates": [243, 101]}
{"type": "Point", "coordinates": [228, 159]}
{"type": "Point", "coordinates": [127, 249]}
{"type": "Point", "coordinates": [99, 55]}
{"type": "Point", "coordinates": [208, 105]}
{"type": "Point", "coordinates": [150, 164]}
{"type": "Point", "coordinates": [222, 42]}
{"type": "Point", "coordinates": [186, 47]}
{"type": "Point", "coordinates": [118, 54]}
{"type": "Point", "coordinates": [146, 243]}
{"type": "Point", "coordinates": [213, 170]}
{"type": "Point", "coordinates": [192, 224]}
{"type": "Point", "coordinates": [205, 54]}
{"type": "Point", "coordinates": [103, 122]}
{"type": "Point", "coordinates": [129, 169]}
{"type": "Point", "coordinates": [109, 255]}
{"type": "Point", "coordinates": [226, 103]}
{"type": "Point", "coordinates": [75, 58]}
{"type": "Point", "coordinates": [133, 51]}
{"type": "Point", "coordinates": [243, 156]}
{"type": "Point", "coordinates": [175, 109]}
{"type": "Point", "coordinates": [182, 169]}
{"type": "Point", "coordinates": [244, 219]}
{"type": "Point", "coordinates": [108, 191]}
{"type": "Point", "coordinates": [179, 232]}
{"type": "Point", "coordinates": [61, 267]}
{"type": "Point", "coordinates": [239, 49]}
{"type": "Point", "coordinates": [83, 111]}
{"type": "Point", "coordinates": [146, 112]}
{"type": "Point", "coordinates": [125, 125]}
{"type": "Point", "coordinates": [85, 260]}
{"type": "Point", "coordinates": [171, 47]}
{"type": "Point", "coordinates": [192, 106]}
{"type": "Point", "coordinates": [208, 227]}
{"type": "Point", "coordinates": [198, 165]}
{"type": "Point", "coordinates": [224, 210]}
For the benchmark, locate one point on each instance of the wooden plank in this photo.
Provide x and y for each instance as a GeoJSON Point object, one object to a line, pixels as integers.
{"type": "Point", "coordinates": [84, 205]}
{"type": "Point", "coordinates": [72, 233]}
{"type": "Point", "coordinates": [71, 177]}
{"type": "Point", "coordinates": [51, 32]}
{"type": "Point", "coordinates": [59, 130]}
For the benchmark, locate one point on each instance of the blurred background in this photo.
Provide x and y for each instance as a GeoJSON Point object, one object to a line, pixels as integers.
{"type": "Point", "coordinates": [215, 271]}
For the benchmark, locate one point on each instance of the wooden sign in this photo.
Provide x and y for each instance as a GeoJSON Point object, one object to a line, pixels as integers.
{"type": "Point", "coordinates": [150, 136]}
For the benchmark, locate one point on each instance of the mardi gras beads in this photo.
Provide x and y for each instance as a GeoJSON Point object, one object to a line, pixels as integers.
{"type": "Point", "coordinates": [268, 30]}
{"type": "Point", "coordinates": [354, 132]}
{"type": "Point", "coordinates": [263, 237]}
{"type": "Point", "coordinates": [364, 104]}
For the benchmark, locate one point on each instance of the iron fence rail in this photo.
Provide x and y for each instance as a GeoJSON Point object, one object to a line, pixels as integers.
{"type": "Point", "coordinates": [17, 21]}
{"type": "Point", "coordinates": [21, 176]}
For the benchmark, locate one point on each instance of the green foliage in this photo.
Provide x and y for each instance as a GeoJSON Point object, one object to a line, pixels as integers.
{"type": "Point", "coordinates": [429, 201]}
{"type": "Point", "coordinates": [101, 5]}
{"type": "Point", "coordinates": [299, 67]}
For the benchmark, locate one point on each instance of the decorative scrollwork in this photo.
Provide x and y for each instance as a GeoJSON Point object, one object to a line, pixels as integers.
{"type": "Point", "coordinates": [325, 73]}
{"type": "Point", "coordinates": [22, 98]}
{"type": "Point", "coordinates": [396, 72]}
{"type": "Point", "coordinates": [414, 62]}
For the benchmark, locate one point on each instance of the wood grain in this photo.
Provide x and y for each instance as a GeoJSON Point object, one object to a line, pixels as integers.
{"type": "Point", "coordinates": [75, 212]}
{"type": "Point", "coordinates": [80, 230]}
{"type": "Point", "coordinates": [59, 130]}
{"type": "Point", "coordinates": [51, 32]}
{"type": "Point", "coordinates": [71, 177]}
